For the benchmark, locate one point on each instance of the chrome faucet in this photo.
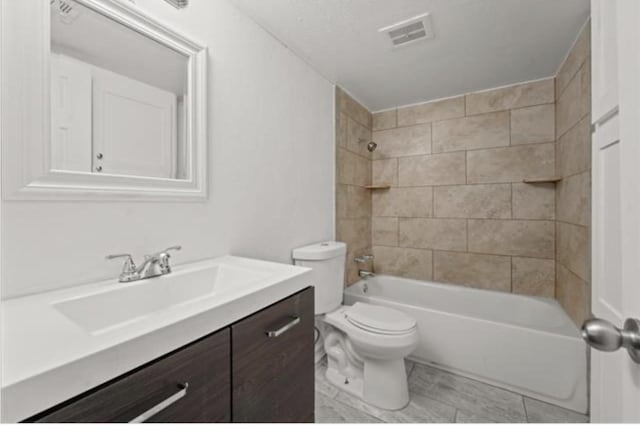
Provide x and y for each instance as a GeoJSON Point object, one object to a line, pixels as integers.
{"type": "Point", "coordinates": [154, 265]}
{"type": "Point", "coordinates": [363, 259]}
{"type": "Point", "coordinates": [365, 274]}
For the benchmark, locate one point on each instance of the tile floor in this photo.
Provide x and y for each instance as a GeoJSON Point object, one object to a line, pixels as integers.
{"type": "Point", "coordinates": [439, 397]}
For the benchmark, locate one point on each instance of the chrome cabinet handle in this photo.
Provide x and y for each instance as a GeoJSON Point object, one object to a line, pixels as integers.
{"type": "Point", "coordinates": [284, 328]}
{"type": "Point", "coordinates": [162, 405]}
{"type": "Point", "coordinates": [604, 335]}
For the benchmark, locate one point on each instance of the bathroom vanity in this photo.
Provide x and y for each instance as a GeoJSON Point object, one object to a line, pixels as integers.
{"type": "Point", "coordinates": [234, 345]}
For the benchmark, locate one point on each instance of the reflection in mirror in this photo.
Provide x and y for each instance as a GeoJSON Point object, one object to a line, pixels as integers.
{"type": "Point", "coordinates": [118, 98]}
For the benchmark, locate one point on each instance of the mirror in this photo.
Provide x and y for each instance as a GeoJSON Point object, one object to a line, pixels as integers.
{"type": "Point", "coordinates": [119, 98]}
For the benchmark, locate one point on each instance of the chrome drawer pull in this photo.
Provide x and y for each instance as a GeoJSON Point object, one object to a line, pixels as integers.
{"type": "Point", "coordinates": [281, 330]}
{"type": "Point", "coordinates": [162, 405]}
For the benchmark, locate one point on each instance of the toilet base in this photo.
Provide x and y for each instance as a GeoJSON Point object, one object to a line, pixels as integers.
{"type": "Point", "coordinates": [352, 385]}
{"type": "Point", "coordinates": [384, 384]}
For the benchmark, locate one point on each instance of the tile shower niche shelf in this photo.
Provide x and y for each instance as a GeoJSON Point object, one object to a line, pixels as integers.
{"type": "Point", "coordinates": [377, 187]}
{"type": "Point", "coordinates": [543, 180]}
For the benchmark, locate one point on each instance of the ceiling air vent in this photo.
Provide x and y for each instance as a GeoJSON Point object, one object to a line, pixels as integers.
{"type": "Point", "coordinates": [409, 31]}
{"type": "Point", "coordinates": [66, 10]}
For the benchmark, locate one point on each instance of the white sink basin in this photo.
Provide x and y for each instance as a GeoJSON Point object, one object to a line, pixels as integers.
{"type": "Point", "coordinates": [58, 344]}
{"type": "Point", "coordinates": [125, 303]}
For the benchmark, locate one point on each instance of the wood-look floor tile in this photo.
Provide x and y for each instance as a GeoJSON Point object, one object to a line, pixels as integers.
{"type": "Point", "coordinates": [329, 410]}
{"type": "Point", "coordinates": [420, 409]}
{"type": "Point", "coordinates": [471, 397]}
{"type": "Point", "coordinates": [541, 412]}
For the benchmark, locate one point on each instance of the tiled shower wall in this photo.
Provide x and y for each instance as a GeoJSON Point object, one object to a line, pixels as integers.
{"type": "Point", "coordinates": [573, 164]}
{"type": "Point", "coordinates": [353, 161]}
{"type": "Point", "coordinates": [458, 210]}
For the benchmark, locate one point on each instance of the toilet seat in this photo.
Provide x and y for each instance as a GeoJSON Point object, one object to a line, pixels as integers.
{"type": "Point", "coordinates": [379, 320]}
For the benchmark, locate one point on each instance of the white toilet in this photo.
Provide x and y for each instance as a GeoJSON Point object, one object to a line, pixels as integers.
{"type": "Point", "coordinates": [365, 344]}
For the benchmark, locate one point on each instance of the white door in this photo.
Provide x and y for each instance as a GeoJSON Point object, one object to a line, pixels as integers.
{"type": "Point", "coordinates": [615, 377]}
{"type": "Point", "coordinates": [70, 114]}
{"type": "Point", "coordinates": [134, 127]}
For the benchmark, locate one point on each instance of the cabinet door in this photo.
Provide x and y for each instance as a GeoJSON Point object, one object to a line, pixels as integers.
{"type": "Point", "coordinates": [272, 363]}
{"type": "Point", "coordinates": [191, 384]}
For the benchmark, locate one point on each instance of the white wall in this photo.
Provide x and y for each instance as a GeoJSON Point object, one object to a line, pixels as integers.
{"type": "Point", "coordinates": [271, 162]}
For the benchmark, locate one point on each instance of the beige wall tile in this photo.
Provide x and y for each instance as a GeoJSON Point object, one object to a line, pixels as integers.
{"type": "Point", "coordinates": [532, 238]}
{"type": "Point", "coordinates": [352, 169]}
{"type": "Point", "coordinates": [409, 263]}
{"type": "Point", "coordinates": [341, 201]}
{"type": "Point", "coordinates": [406, 141]}
{"type": "Point", "coordinates": [356, 233]}
{"type": "Point", "coordinates": [534, 277]}
{"type": "Point", "coordinates": [472, 132]}
{"type": "Point", "coordinates": [403, 202]}
{"type": "Point", "coordinates": [534, 201]}
{"type": "Point", "coordinates": [512, 164]}
{"type": "Point", "coordinates": [574, 149]}
{"type": "Point", "coordinates": [469, 269]}
{"type": "Point", "coordinates": [385, 120]}
{"type": "Point", "coordinates": [473, 201]}
{"type": "Point", "coordinates": [353, 202]}
{"type": "Point", "coordinates": [573, 104]}
{"type": "Point", "coordinates": [442, 169]}
{"type": "Point", "coordinates": [384, 231]}
{"type": "Point", "coordinates": [535, 124]}
{"type": "Point", "coordinates": [385, 171]}
{"type": "Point", "coordinates": [511, 97]}
{"type": "Point", "coordinates": [440, 234]}
{"type": "Point", "coordinates": [579, 53]}
{"type": "Point", "coordinates": [574, 199]}
{"type": "Point", "coordinates": [573, 294]}
{"type": "Point", "coordinates": [341, 130]}
{"type": "Point", "coordinates": [573, 249]}
{"type": "Point", "coordinates": [585, 88]}
{"type": "Point", "coordinates": [431, 112]}
{"type": "Point", "coordinates": [357, 138]}
{"type": "Point", "coordinates": [352, 108]}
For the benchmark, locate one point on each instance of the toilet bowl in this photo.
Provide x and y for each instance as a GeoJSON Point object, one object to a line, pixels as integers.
{"type": "Point", "coordinates": [365, 344]}
{"type": "Point", "coordinates": [375, 341]}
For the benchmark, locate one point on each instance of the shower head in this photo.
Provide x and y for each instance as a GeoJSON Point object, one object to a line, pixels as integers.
{"type": "Point", "coordinates": [371, 146]}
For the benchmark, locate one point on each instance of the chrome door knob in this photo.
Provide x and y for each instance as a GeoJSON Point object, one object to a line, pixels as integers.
{"type": "Point", "coordinates": [605, 336]}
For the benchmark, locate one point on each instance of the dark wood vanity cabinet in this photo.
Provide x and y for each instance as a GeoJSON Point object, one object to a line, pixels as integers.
{"type": "Point", "coordinates": [194, 381]}
{"type": "Point", "coordinates": [259, 369]}
{"type": "Point", "coordinates": [272, 363]}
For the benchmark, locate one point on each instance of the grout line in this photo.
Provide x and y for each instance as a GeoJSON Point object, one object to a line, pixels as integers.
{"type": "Point", "coordinates": [467, 233]}
{"type": "Point", "coordinates": [510, 130]}
{"type": "Point", "coordinates": [422, 154]}
{"type": "Point", "coordinates": [463, 252]}
{"type": "Point", "coordinates": [511, 186]}
{"type": "Point", "coordinates": [511, 274]}
{"type": "Point", "coordinates": [524, 406]}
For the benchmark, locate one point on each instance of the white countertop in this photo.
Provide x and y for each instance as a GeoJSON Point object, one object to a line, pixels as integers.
{"type": "Point", "coordinates": [47, 358]}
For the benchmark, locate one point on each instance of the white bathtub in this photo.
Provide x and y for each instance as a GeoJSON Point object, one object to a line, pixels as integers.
{"type": "Point", "coordinates": [524, 344]}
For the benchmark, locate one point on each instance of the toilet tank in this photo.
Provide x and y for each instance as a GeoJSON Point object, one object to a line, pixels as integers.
{"type": "Point", "coordinates": [327, 259]}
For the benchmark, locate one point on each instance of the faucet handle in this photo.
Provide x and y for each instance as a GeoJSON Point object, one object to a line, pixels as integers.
{"type": "Point", "coordinates": [129, 267]}
{"type": "Point", "coordinates": [363, 259]}
{"type": "Point", "coordinates": [163, 253]}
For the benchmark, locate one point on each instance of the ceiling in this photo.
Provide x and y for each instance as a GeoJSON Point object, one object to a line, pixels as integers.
{"type": "Point", "coordinates": [478, 44]}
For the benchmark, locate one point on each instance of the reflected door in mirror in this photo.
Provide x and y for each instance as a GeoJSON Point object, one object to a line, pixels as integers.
{"type": "Point", "coordinates": [118, 98]}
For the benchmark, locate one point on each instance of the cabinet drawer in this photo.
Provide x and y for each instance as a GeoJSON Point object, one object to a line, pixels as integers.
{"type": "Point", "coordinates": [272, 361]}
{"type": "Point", "coordinates": [193, 383]}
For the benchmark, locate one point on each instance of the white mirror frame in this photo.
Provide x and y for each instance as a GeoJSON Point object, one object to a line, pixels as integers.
{"type": "Point", "coordinates": [25, 111]}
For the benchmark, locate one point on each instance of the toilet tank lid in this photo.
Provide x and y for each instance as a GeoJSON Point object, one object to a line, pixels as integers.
{"type": "Point", "coordinates": [320, 251]}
